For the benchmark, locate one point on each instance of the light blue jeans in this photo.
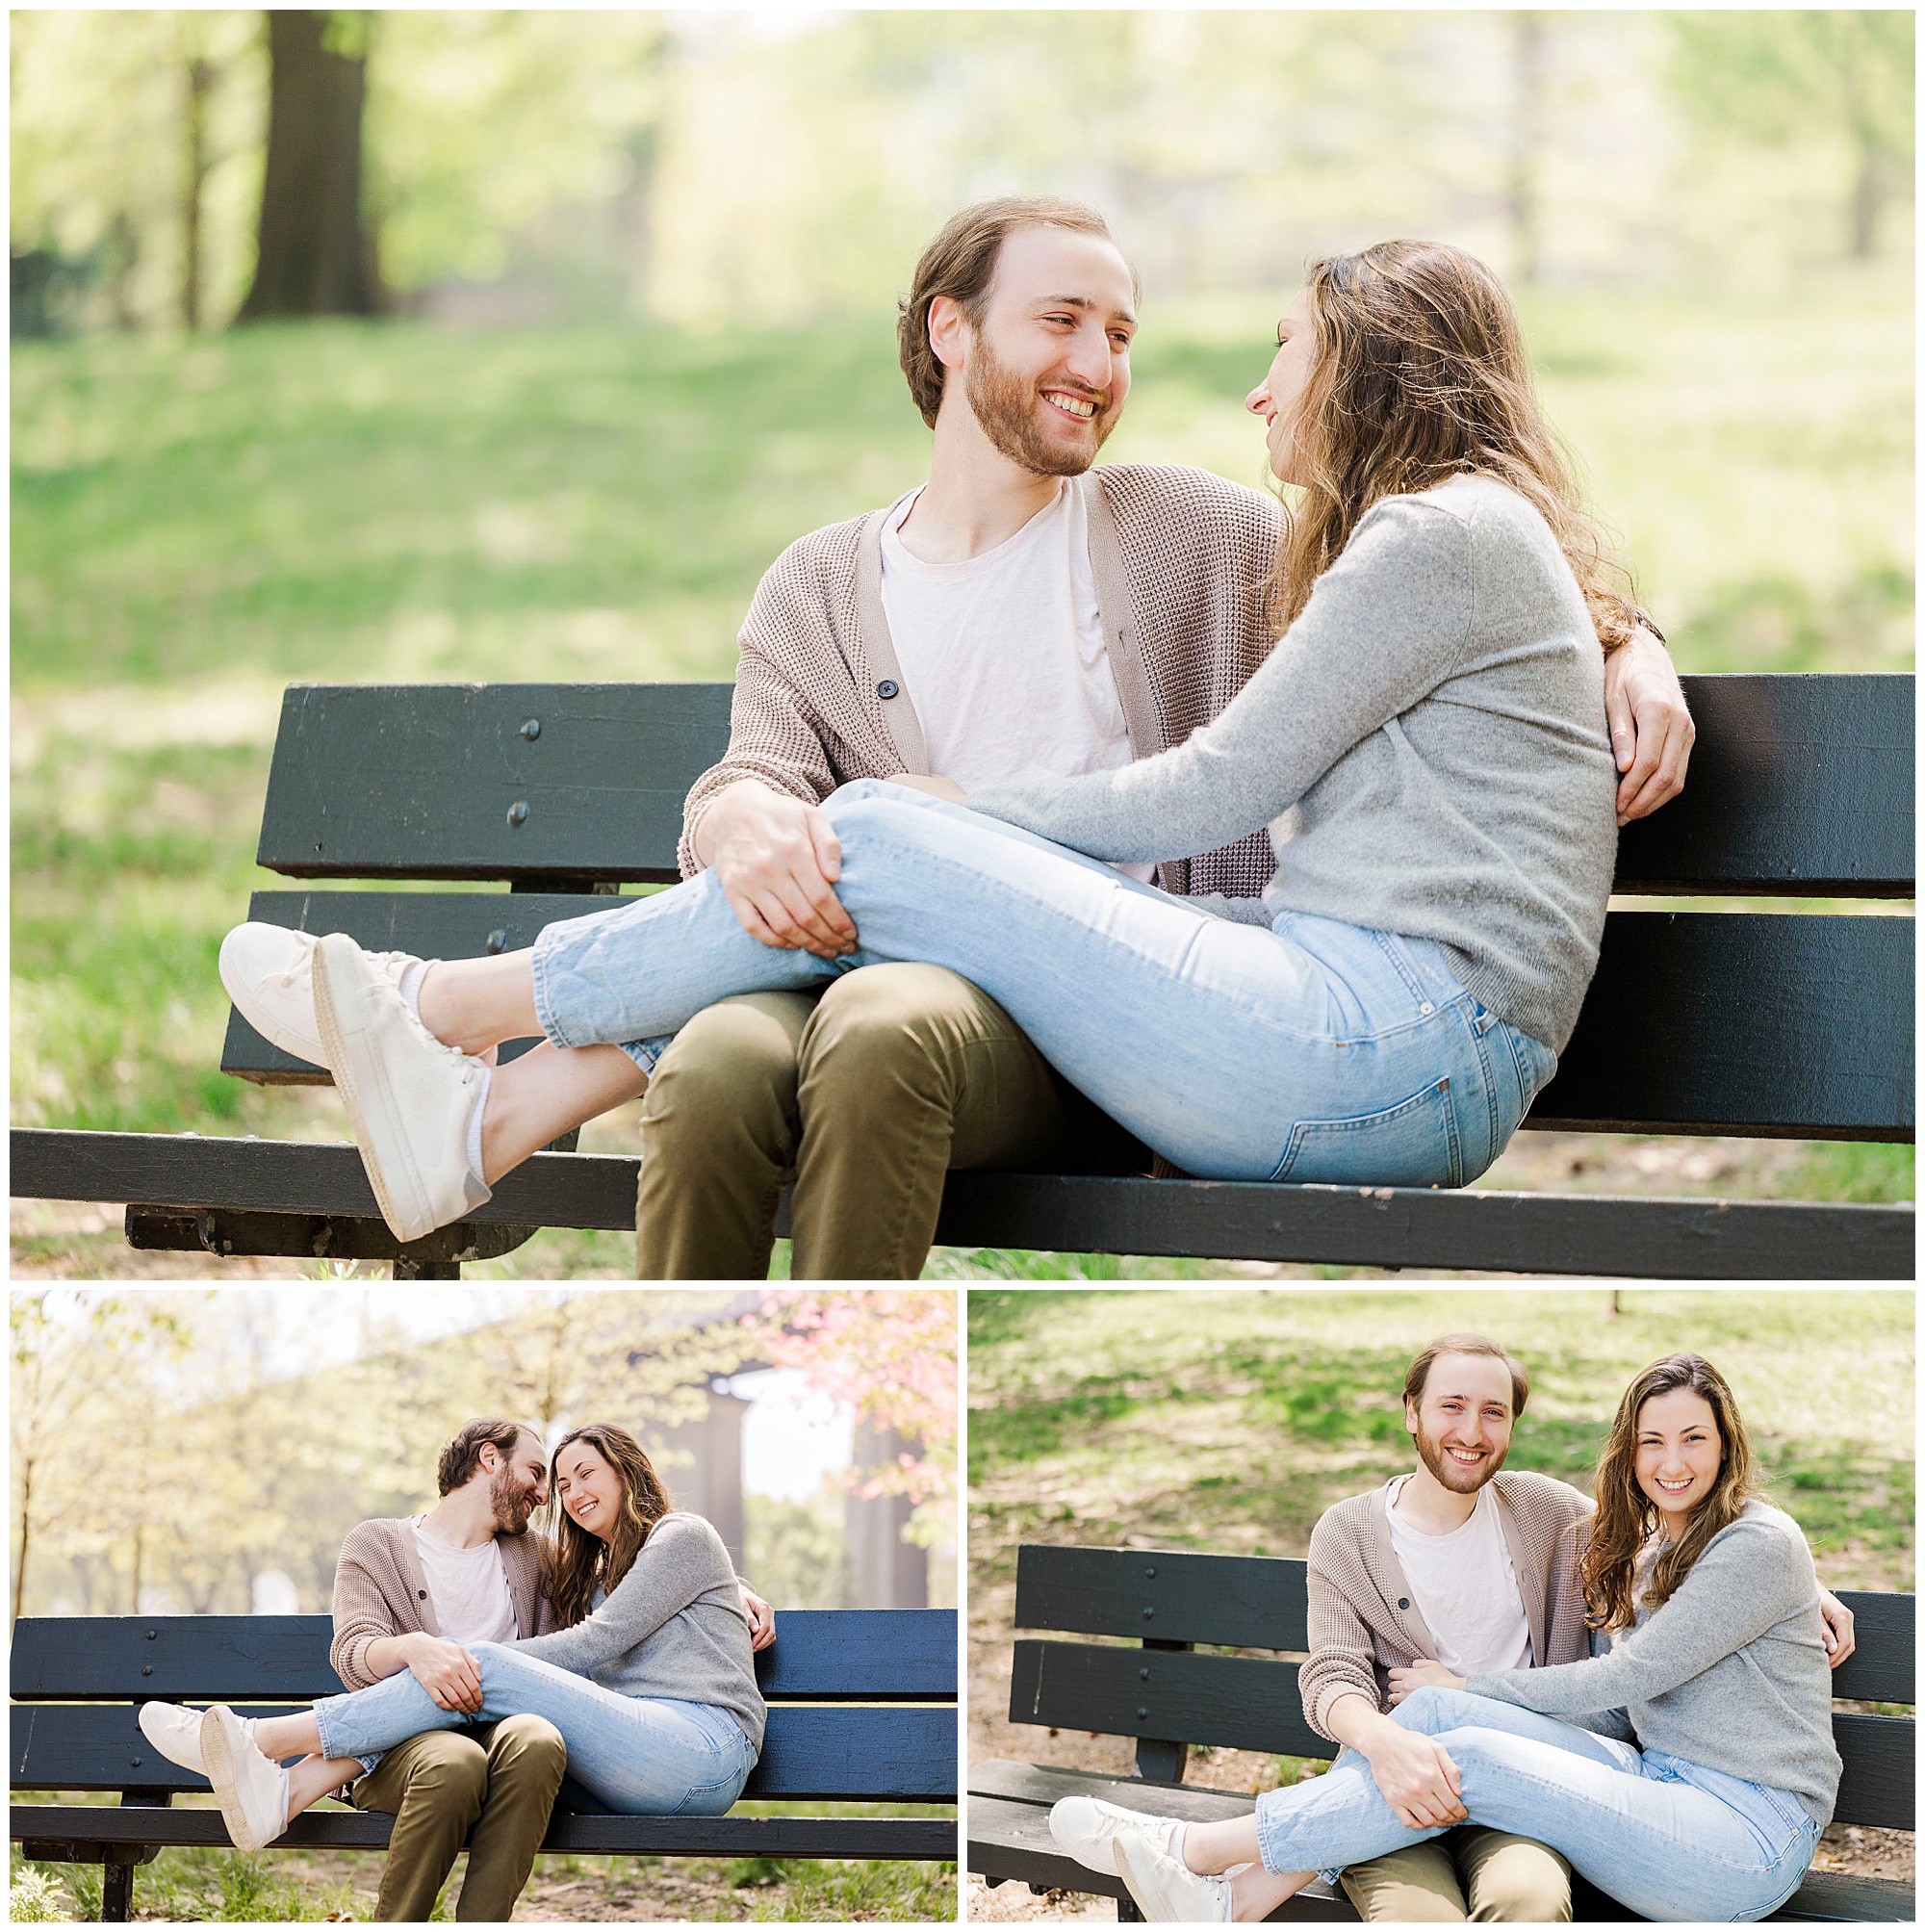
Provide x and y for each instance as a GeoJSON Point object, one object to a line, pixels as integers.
{"type": "Point", "coordinates": [1315, 1051]}
{"type": "Point", "coordinates": [1671, 1840]}
{"type": "Point", "coordinates": [651, 1756]}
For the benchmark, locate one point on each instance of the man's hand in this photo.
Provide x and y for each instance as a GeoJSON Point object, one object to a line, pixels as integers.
{"type": "Point", "coordinates": [936, 788]}
{"type": "Point", "coordinates": [778, 859]}
{"type": "Point", "coordinates": [1416, 1676]}
{"type": "Point", "coordinates": [445, 1671]}
{"type": "Point", "coordinates": [1416, 1777]}
{"type": "Point", "coordinates": [1652, 732]}
{"type": "Point", "coordinates": [761, 1621]}
{"type": "Point", "coordinates": [1837, 1621]}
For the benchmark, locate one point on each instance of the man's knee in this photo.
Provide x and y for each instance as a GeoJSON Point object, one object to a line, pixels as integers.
{"type": "Point", "coordinates": [896, 1026]}
{"type": "Point", "coordinates": [1516, 1881]}
{"type": "Point", "coordinates": [448, 1767]}
{"type": "Point", "coordinates": [529, 1744]}
{"type": "Point", "coordinates": [733, 1064]}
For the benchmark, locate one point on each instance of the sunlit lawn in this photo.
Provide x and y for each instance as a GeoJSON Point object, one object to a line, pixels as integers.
{"type": "Point", "coordinates": [197, 522]}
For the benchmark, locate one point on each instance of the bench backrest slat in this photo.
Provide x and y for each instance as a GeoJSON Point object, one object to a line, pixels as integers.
{"type": "Point", "coordinates": [901, 1752]}
{"type": "Point", "coordinates": [1174, 1596]}
{"type": "Point", "coordinates": [855, 1656]}
{"type": "Point", "coordinates": [1798, 785]}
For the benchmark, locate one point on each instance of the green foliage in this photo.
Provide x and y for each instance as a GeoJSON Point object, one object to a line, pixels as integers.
{"type": "Point", "coordinates": [794, 1551]}
{"type": "Point", "coordinates": [1231, 1419]}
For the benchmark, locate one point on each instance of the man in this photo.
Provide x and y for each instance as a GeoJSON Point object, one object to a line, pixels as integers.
{"type": "Point", "coordinates": [1019, 616]}
{"type": "Point", "coordinates": [409, 1594]}
{"type": "Point", "coordinates": [1458, 1561]}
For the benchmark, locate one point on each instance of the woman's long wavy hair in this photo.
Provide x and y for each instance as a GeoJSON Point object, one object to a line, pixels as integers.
{"type": "Point", "coordinates": [1420, 375]}
{"type": "Point", "coordinates": [1627, 1517]}
{"type": "Point", "coordinates": [576, 1562]}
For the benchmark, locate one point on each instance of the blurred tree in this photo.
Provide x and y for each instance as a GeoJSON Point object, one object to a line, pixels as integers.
{"type": "Point", "coordinates": [313, 256]}
{"type": "Point", "coordinates": [1527, 32]}
{"type": "Point", "coordinates": [1777, 77]}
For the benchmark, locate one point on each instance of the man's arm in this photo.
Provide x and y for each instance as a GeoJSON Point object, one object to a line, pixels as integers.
{"type": "Point", "coordinates": [1652, 732]}
{"type": "Point", "coordinates": [368, 1647]}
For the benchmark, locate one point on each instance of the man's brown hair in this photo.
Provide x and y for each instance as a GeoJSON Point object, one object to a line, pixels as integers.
{"type": "Point", "coordinates": [462, 1456]}
{"type": "Point", "coordinates": [1419, 1372]}
{"type": "Point", "coordinates": [960, 263]}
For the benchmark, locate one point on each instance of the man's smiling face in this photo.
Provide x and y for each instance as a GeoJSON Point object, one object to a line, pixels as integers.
{"type": "Point", "coordinates": [1461, 1423]}
{"type": "Point", "coordinates": [1047, 371]}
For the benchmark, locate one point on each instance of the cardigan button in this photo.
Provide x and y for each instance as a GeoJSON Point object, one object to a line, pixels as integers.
{"type": "Point", "coordinates": [887, 688]}
{"type": "Point", "coordinates": [422, 1594]}
{"type": "Point", "coordinates": [1403, 1602]}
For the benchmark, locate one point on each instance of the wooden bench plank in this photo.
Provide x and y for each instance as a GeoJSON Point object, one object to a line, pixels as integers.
{"type": "Point", "coordinates": [732, 1836]}
{"type": "Point", "coordinates": [903, 1656]}
{"type": "Point", "coordinates": [1758, 1023]}
{"type": "Point", "coordinates": [1797, 784]}
{"type": "Point", "coordinates": [1176, 1695]}
{"type": "Point", "coordinates": [420, 781]}
{"type": "Point", "coordinates": [1386, 1227]}
{"type": "Point", "coordinates": [875, 1752]}
{"type": "Point", "coordinates": [1252, 1603]}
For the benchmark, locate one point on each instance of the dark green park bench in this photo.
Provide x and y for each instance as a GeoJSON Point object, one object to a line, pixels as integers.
{"type": "Point", "coordinates": [1747, 1022]}
{"type": "Point", "coordinates": [861, 1707]}
{"type": "Point", "coordinates": [1169, 1692]}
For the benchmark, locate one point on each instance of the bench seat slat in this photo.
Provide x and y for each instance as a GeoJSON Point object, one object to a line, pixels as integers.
{"type": "Point", "coordinates": [898, 1752]}
{"type": "Point", "coordinates": [849, 1656]}
{"type": "Point", "coordinates": [1255, 1220]}
{"type": "Point", "coordinates": [728, 1837]}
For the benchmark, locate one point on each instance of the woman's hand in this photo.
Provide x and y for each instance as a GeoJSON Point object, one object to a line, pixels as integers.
{"type": "Point", "coordinates": [1425, 1671]}
{"type": "Point", "coordinates": [1840, 1642]}
{"type": "Point", "coordinates": [1652, 732]}
{"type": "Point", "coordinates": [936, 788]}
{"type": "Point", "coordinates": [761, 1621]}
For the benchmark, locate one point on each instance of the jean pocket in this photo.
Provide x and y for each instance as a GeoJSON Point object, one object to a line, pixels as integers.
{"type": "Point", "coordinates": [1414, 1144]}
{"type": "Point", "coordinates": [1533, 1063]}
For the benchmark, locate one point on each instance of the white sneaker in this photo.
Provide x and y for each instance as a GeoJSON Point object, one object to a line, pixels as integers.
{"type": "Point", "coordinates": [1166, 1893]}
{"type": "Point", "coordinates": [251, 1788]}
{"type": "Point", "coordinates": [410, 1098]}
{"type": "Point", "coordinates": [1087, 1829]}
{"type": "Point", "coordinates": [268, 973]}
{"type": "Point", "coordinates": [174, 1732]}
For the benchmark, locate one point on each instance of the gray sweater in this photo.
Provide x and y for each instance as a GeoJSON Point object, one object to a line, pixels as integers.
{"type": "Point", "coordinates": [1426, 744]}
{"type": "Point", "coordinates": [673, 1627]}
{"type": "Point", "coordinates": [1729, 1673]}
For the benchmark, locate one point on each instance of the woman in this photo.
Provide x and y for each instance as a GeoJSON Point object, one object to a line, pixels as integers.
{"type": "Point", "coordinates": [1426, 744]}
{"type": "Point", "coordinates": [1705, 1769]}
{"type": "Point", "coordinates": [643, 1665]}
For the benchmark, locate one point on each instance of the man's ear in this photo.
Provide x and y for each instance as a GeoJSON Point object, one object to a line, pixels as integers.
{"type": "Point", "coordinates": [948, 331]}
{"type": "Point", "coordinates": [1409, 1416]}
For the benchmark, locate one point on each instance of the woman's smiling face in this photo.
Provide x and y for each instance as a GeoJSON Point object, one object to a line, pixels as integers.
{"type": "Point", "coordinates": [1679, 1454]}
{"type": "Point", "coordinates": [589, 1488]}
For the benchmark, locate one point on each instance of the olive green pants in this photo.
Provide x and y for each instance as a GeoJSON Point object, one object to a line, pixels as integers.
{"type": "Point", "coordinates": [1471, 1873]}
{"type": "Point", "coordinates": [498, 1779]}
{"type": "Point", "coordinates": [864, 1095]}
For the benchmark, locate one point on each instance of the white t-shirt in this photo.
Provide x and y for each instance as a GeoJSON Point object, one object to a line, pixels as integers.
{"type": "Point", "coordinates": [1465, 1586]}
{"type": "Point", "coordinates": [468, 1589]}
{"type": "Point", "coordinates": [1003, 655]}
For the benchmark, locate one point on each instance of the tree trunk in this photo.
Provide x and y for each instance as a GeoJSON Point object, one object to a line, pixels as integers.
{"type": "Point", "coordinates": [1528, 48]}
{"type": "Point", "coordinates": [199, 85]}
{"type": "Point", "coordinates": [1867, 200]}
{"type": "Point", "coordinates": [20, 1548]}
{"type": "Point", "coordinates": [313, 260]}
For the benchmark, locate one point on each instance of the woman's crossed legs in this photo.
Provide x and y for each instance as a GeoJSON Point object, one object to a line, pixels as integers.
{"type": "Point", "coordinates": [652, 1757]}
{"type": "Point", "coordinates": [1643, 1828]}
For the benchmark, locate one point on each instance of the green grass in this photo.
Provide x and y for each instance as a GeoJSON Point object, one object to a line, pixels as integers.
{"type": "Point", "coordinates": [197, 523]}
{"type": "Point", "coordinates": [1233, 1419]}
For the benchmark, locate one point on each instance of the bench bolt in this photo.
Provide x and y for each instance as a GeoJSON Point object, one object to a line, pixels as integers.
{"type": "Point", "coordinates": [151, 1635]}
{"type": "Point", "coordinates": [147, 1670]}
{"type": "Point", "coordinates": [1143, 1710]}
{"type": "Point", "coordinates": [498, 941]}
{"type": "Point", "coordinates": [532, 729]}
{"type": "Point", "coordinates": [1151, 1571]}
{"type": "Point", "coordinates": [1148, 1612]}
{"type": "Point", "coordinates": [1143, 1673]}
{"type": "Point", "coordinates": [518, 813]}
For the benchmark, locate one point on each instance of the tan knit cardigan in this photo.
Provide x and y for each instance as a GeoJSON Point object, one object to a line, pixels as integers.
{"type": "Point", "coordinates": [379, 1591]}
{"type": "Point", "coordinates": [1180, 556]}
{"type": "Point", "coordinates": [1364, 1622]}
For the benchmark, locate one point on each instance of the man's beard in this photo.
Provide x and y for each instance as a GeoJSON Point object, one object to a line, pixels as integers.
{"type": "Point", "coordinates": [1453, 1476]}
{"type": "Point", "coordinates": [1005, 403]}
{"type": "Point", "coordinates": [513, 1502]}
